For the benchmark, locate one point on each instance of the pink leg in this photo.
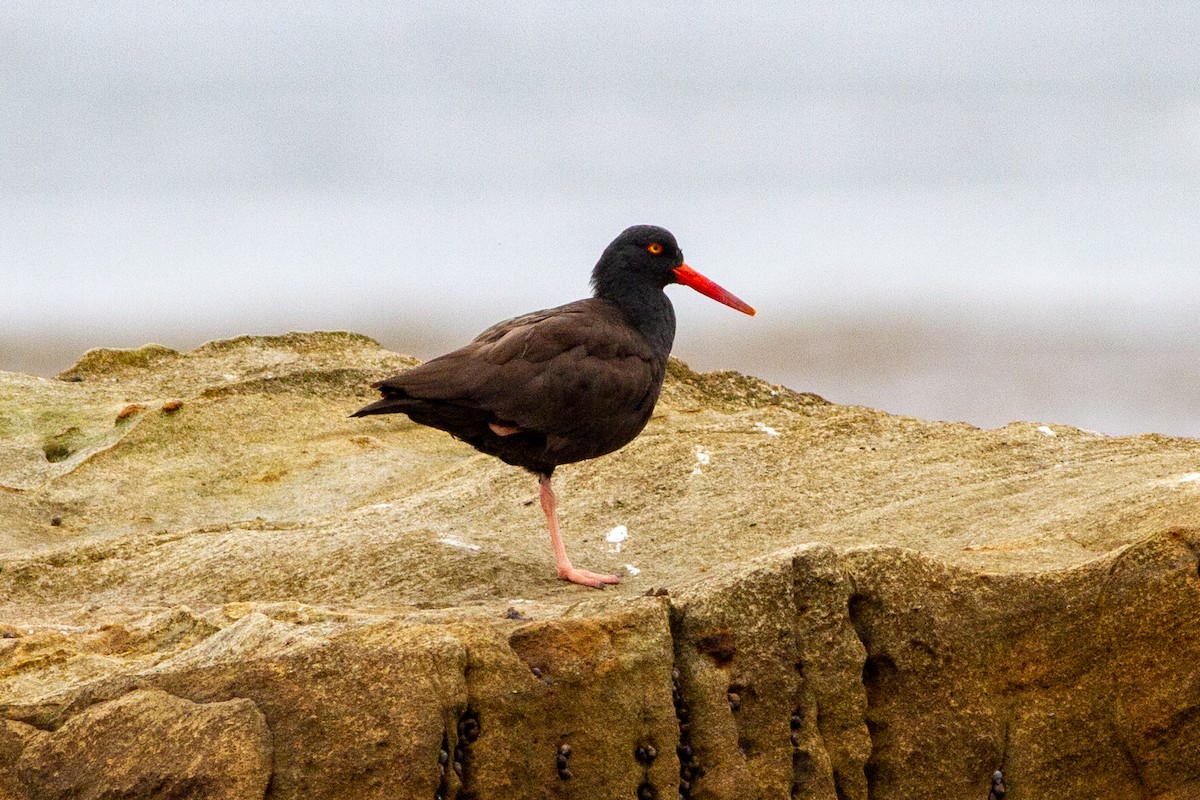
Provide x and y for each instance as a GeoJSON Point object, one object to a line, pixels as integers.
{"type": "Point", "coordinates": [565, 570]}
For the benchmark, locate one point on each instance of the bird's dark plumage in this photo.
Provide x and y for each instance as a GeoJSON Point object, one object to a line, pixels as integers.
{"type": "Point", "coordinates": [576, 380]}
{"type": "Point", "coordinates": [564, 384]}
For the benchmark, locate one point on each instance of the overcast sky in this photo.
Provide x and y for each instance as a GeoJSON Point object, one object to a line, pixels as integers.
{"type": "Point", "coordinates": [178, 171]}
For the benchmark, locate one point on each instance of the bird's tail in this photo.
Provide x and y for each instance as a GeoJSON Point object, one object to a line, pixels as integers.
{"type": "Point", "coordinates": [388, 405]}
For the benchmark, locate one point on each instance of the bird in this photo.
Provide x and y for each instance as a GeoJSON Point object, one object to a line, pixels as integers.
{"type": "Point", "coordinates": [564, 384]}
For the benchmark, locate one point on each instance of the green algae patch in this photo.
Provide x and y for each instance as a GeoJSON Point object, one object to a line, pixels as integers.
{"type": "Point", "coordinates": [61, 445]}
{"type": "Point", "coordinates": [107, 361]}
{"type": "Point", "coordinates": [324, 382]}
{"type": "Point", "coordinates": [295, 341]}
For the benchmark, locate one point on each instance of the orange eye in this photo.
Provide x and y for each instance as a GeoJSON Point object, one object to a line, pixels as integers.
{"type": "Point", "coordinates": [654, 247]}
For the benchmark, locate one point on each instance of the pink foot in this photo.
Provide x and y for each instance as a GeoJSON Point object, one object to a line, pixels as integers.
{"type": "Point", "coordinates": [585, 578]}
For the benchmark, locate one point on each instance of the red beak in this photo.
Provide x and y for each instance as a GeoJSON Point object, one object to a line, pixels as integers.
{"type": "Point", "coordinates": [689, 277]}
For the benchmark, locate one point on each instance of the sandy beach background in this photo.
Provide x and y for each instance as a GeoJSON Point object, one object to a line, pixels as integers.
{"type": "Point", "coordinates": [980, 213]}
{"type": "Point", "coordinates": [1090, 374]}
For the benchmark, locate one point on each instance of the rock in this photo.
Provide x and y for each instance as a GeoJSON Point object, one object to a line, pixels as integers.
{"type": "Point", "coordinates": [860, 605]}
{"type": "Point", "coordinates": [150, 744]}
{"type": "Point", "coordinates": [740, 637]}
{"type": "Point", "coordinates": [832, 740]}
{"type": "Point", "coordinates": [1051, 677]}
{"type": "Point", "coordinates": [13, 738]}
{"type": "Point", "coordinates": [348, 718]}
{"type": "Point", "coordinates": [606, 691]}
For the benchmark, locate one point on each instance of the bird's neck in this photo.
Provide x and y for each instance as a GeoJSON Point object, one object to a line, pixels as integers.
{"type": "Point", "coordinates": [649, 311]}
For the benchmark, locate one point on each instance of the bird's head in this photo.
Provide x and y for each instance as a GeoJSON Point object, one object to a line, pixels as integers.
{"type": "Point", "coordinates": [647, 255]}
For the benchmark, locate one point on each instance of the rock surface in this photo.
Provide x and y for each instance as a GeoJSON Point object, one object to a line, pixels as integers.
{"type": "Point", "coordinates": [213, 583]}
{"type": "Point", "coordinates": [148, 743]}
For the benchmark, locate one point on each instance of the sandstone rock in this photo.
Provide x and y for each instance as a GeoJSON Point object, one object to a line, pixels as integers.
{"type": "Point", "coordinates": [346, 720]}
{"type": "Point", "coordinates": [150, 744]}
{"type": "Point", "coordinates": [833, 741]}
{"type": "Point", "coordinates": [602, 688]}
{"type": "Point", "coordinates": [13, 738]}
{"type": "Point", "coordinates": [740, 638]}
{"type": "Point", "coordinates": [860, 605]}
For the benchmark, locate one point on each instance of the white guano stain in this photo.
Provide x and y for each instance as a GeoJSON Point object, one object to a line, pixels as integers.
{"type": "Point", "coordinates": [454, 541]}
{"type": "Point", "coordinates": [615, 537]}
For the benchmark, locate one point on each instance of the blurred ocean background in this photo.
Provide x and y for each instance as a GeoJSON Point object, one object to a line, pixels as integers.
{"type": "Point", "coordinates": [962, 211]}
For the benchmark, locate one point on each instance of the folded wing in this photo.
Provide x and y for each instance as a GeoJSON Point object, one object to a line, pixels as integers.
{"type": "Point", "coordinates": [577, 381]}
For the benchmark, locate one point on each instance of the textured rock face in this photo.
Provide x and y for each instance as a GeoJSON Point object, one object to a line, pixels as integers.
{"type": "Point", "coordinates": [878, 673]}
{"type": "Point", "coordinates": [248, 595]}
{"type": "Point", "coordinates": [148, 743]}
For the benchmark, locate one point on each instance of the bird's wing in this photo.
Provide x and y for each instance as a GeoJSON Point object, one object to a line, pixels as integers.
{"type": "Point", "coordinates": [550, 371]}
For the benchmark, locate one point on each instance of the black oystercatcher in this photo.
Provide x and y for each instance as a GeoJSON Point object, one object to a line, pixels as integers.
{"type": "Point", "coordinates": [565, 384]}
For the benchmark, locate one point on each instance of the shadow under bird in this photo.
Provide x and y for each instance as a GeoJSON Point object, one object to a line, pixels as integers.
{"type": "Point", "coordinates": [564, 384]}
